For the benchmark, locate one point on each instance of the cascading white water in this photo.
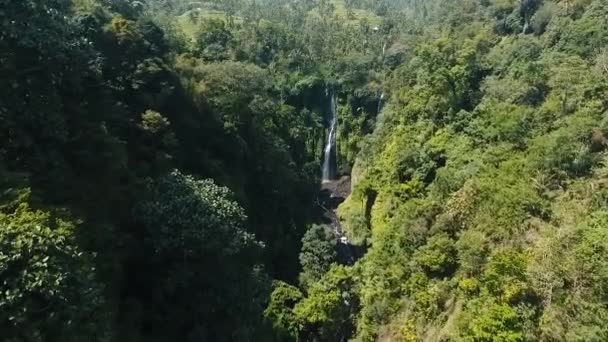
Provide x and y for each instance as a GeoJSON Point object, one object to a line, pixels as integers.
{"type": "Point", "coordinates": [380, 103]}
{"type": "Point", "coordinates": [328, 167]}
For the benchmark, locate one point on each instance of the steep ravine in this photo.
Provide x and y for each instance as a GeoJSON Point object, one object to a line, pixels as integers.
{"type": "Point", "coordinates": [334, 190]}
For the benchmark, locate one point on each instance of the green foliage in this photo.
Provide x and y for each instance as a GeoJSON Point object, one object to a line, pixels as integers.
{"type": "Point", "coordinates": [214, 40]}
{"type": "Point", "coordinates": [494, 322]}
{"type": "Point", "coordinates": [280, 312]}
{"type": "Point", "coordinates": [192, 227]}
{"type": "Point", "coordinates": [212, 215]}
{"type": "Point", "coordinates": [484, 159]}
{"type": "Point", "coordinates": [49, 288]}
{"type": "Point", "coordinates": [35, 60]}
{"type": "Point", "coordinates": [437, 256]}
{"type": "Point", "coordinates": [103, 97]}
{"type": "Point", "coordinates": [317, 254]}
{"type": "Point", "coordinates": [472, 251]}
{"type": "Point", "coordinates": [328, 310]}
{"type": "Point", "coordinates": [124, 31]}
{"type": "Point", "coordinates": [584, 35]}
{"type": "Point", "coordinates": [474, 132]}
{"type": "Point", "coordinates": [505, 274]}
{"type": "Point", "coordinates": [153, 122]}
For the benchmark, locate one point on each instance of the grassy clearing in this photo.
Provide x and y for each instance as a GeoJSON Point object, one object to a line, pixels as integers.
{"type": "Point", "coordinates": [355, 15]}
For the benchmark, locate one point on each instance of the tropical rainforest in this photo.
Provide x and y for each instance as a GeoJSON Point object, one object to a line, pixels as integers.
{"type": "Point", "coordinates": [160, 170]}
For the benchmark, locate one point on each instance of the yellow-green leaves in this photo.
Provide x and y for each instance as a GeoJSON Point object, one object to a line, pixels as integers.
{"type": "Point", "coordinates": [46, 279]}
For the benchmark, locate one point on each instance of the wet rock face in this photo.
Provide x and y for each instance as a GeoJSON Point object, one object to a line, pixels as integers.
{"type": "Point", "coordinates": [328, 201]}
{"type": "Point", "coordinates": [336, 189]}
{"type": "Point", "coordinates": [331, 194]}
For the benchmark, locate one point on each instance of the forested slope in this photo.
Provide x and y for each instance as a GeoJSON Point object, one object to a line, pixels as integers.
{"type": "Point", "coordinates": [481, 193]}
{"type": "Point", "coordinates": [160, 165]}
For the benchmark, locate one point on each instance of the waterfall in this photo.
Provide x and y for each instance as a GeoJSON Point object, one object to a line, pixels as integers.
{"type": "Point", "coordinates": [383, 50]}
{"type": "Point", "coordinates": [380, 104]}
{"type": "Point", "coordinates": [329, 168]}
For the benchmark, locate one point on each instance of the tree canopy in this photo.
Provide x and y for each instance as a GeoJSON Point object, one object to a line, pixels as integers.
{"type": "Point", "coordinates": [160, 166]}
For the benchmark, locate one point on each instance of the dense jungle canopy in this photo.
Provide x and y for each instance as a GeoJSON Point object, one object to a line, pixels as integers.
{"type": "Point", "coordinates": [160, 170]}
